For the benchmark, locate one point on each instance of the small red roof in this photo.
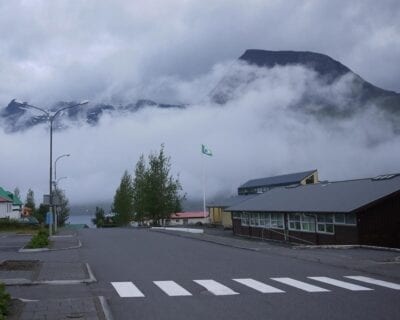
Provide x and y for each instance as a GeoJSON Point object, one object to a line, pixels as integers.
{"type": "Point", "coordinates": [4, 200]}
{"type": "Point", "coordinates": [189, 214]}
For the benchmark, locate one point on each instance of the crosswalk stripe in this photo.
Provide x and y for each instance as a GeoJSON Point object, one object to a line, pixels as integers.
{"type": "Point", "coordinates": [341, 284]}
{"type": "Point", "coordinates": [377, 282]}
{"type": "Point", "coordinates": [300, 285]}
{"type": "Point", "coordinates": [172, 289]}
{"type": "Point", "coordinates": [257, 285]}
{"type": "Point", "coordinates": [215, 287]}
{"type": "Point", "coordinates": [127, 290]}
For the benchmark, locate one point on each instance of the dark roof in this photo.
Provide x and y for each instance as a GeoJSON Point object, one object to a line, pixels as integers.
{"type": "Point", "coordinates": [283, 180]}
{"type": "Point", "coordinates": [227, 202]}
{"type": "Point", "coordinates": [340, 196]}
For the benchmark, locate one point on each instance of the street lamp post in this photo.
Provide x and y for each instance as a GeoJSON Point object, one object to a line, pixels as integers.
{"type": "Point", "coordinates": [50, 117]}
{"type": "Point", "coordinates": [55, 164]}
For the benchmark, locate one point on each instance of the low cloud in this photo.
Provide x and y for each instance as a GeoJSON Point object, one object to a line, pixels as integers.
{"type": "Point", "coordinates": [256, 133]}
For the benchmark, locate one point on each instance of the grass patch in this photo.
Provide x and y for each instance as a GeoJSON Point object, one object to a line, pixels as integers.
{"type": "Point", "coordinates": [4, 302]}
{"type": "Point", "coordinates": [10, 225]}
{"type": "Point", "coordinates": [40, 240]}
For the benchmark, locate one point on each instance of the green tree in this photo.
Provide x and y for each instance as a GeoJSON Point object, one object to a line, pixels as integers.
{"type": "Point", "coordinates": [17, 193]}
{"type": "Point", "coordinates": [41, 212]}
{"type": "Point", "coordinates": [99, 217]}
{"type": "Point", "coordinates": [30, 200]}
{"type": "Point", "coordinates": [160, 191]}
{"type": "Point", "coordinates": [139, 189]}
{"type": "Point", "coordinates": [123, 204]}
{"type": "Point", "coordinates": [62, 208]}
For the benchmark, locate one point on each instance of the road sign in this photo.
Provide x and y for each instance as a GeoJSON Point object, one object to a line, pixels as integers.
{"type": "Point", "coordinates": [49, 218]}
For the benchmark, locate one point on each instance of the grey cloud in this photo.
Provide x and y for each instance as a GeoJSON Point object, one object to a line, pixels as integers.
{"type": "Point", "coordinates": [257, 133]}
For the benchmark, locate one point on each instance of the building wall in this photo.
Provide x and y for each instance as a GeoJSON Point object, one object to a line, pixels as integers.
{"type": "Point", "coordinates": [379, 224]}
{"type": "Point", "coordinates": [6, 210]}
{"type": "Point", "coordinates": [343, 234]}
{"type": "Point", "coordinates": [216, 215]}
{"type": "Point", "coordinates": [188, 221]}
{"type": "Point", "coordinates": [227, 220]}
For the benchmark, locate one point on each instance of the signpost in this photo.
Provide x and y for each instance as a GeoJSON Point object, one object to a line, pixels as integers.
{"type": "Point", "coordinates": [49, 221]}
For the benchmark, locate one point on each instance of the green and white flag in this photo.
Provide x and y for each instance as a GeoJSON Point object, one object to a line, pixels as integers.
{"type": "Point", "coordinates": [206, 150]}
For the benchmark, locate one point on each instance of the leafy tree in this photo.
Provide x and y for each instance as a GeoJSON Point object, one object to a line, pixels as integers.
{"type": "Point", "coordinates": [62, 208]}
{"type": "Point", "coordinates": [140, 190]}
{"type": "Point", "coordinates": [17, 193]}
{"type": "Point", "coordinates": [157, 192]}
{"type": "Point", "coordinates": [41, 212]}
{"type": "Point", "coordinates": [99, 218]}
{"type": "Point", "coordinates": [123, 204]}
{"type": "Point", "coordinates": [30, 200]}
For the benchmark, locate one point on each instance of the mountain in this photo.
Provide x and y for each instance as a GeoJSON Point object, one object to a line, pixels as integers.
{"type": "Point", "coordinates": [331, 101]}
{"type": "Point", "coordinates": [16, 117]}
{"type": "Point", "coordinates": [328, 72]}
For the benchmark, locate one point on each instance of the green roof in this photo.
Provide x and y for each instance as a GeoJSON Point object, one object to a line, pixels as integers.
{"type": "Point", "coordinates": [10, 196]}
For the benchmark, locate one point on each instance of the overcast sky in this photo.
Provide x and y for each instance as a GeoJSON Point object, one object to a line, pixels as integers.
{"type": "Point", "coordinates": [176, 52]}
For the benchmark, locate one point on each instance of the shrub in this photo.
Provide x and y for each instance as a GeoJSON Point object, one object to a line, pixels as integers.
{"type": "Point", "coordinates": [4, 301]}
{"type": "Point", "coordinates": [7, 224]}
{"type": "Point", "coordinates": [40, 240]}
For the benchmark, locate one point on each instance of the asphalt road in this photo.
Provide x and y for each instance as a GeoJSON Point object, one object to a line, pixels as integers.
{"type": "Point", "coordinates": [133, 259]}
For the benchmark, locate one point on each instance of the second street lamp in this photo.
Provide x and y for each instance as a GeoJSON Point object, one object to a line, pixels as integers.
{"type": "Point", "coordinates": [51, 115]}
{"type": "Point", "coordinates": [55, 164]}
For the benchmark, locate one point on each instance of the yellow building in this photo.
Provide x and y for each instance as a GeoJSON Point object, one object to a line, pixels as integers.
{"type": "Point", "coordinates": [219, 216]}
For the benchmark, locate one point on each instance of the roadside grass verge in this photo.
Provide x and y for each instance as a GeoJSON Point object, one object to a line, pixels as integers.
{"type": "Point", "coordinates": [7, 225]}
{"type": "Point", "coordinates": [5, 300]}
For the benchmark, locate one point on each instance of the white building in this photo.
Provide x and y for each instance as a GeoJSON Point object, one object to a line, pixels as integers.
{"type": "Point", "coordinates": [188, 218]}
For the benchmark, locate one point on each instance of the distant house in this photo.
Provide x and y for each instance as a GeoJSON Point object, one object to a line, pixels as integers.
{"type": "Point", "coordinates": [264, 184]}
{"type": "Point", "coordinates": [187, 218]}
{"type": "Point", "coordinates": [5, 207]}
{"type": "Point", "coordinates": [363, 211]}
{"type": "Point", "coordinates": [10, 205]}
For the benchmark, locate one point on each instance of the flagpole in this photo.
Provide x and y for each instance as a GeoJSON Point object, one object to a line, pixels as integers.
{"type": "Point", "coordinates": [204, 185]}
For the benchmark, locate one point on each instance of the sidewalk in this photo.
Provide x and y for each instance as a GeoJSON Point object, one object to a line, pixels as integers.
{"type": "Point", "coordinates": [385, 263]}
{"type": "Point", "coordinates": [59, 265]}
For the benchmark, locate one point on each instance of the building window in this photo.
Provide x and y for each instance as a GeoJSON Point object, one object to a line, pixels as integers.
{"type": "Point", "coordinates": [345, 218]}
{"type": "Point", "coordinates": [325, 223]}
{"type": "Point", "coordinates": [302, 222]}
{"type": "Point", "coordinates": [254, 219]}
{"type": "Point", "coordinates": [351, 219]}
{"type": "Point", "coordinates": [339, 218]}
{"type": "Point", "coordinates": [277, 220]}
{"type": "Point", "coordinates": [236, 215]}
{"type": "Point", "coordinates": [245, 219]}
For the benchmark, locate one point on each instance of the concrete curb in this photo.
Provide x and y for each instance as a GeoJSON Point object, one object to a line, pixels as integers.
{"type": "Point", "coordinates": [22, 250]}
{"type": "Point", "coordinates": [345, 247]}
{"type": "Point", "coordinates": [208, 240]}
{"type": "Point", "coordinates": [27, 282]}
{"type": "Point", "coordinates": [189, 230]}
{"type": "Point", "coordinates": [106, 308]}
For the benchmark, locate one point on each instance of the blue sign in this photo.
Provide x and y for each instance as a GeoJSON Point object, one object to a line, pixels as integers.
{"type": "Point", "coordinates": [49, 218]}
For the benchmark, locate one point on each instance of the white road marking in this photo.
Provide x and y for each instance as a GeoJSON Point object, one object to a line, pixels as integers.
{"type": "Point", "coordinates": [300, 285]}
{"type": "Point", "coordinates": [172, 289]}
{"type": "Point", "coordinates": [377, 282]}
{"type": "Point", "coordinates": [341, 284]}
{"type": "Point", "coordinates": [257, 285]}
{"type": "Point", "coordinates": [127, 290]}
{"type": "Point", "coordinates": [215, 287]}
